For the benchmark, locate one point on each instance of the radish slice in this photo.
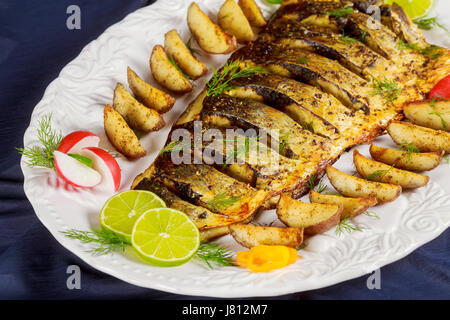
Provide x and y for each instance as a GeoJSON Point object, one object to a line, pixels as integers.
{"type": "Point", "coordinates": [74, 172]}
{"type": "Point", "coordinates": [106, 165]}
{"type": "Point", "coordinates": [74, 142]}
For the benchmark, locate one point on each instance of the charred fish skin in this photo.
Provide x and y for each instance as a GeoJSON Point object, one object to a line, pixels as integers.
{"type": "Point", "coordinates": [297, 142]}
{"type": "Point", "coordinates": [327, 74]}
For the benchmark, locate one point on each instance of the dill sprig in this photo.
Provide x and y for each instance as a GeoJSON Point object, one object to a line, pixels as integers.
{"type": "Point", "coordinates": [342, 12]}
{"type": "Point", "coordinates": [283, 140]}
{"type": "Point", "coordinates": [175, 64]}
{"type": "Point", "coordinates": [303, 61]}
{"type": "Point", "coordinates": [302, 246]}
{"type": "Point", "coordinates": [363, 35]}
{"type": "Point", "coordinates": [437, 113]}
{"type": "Point", "coordinates": [431, 51]}
{"type": "Point", "coordinates": [194, 51]}
{"type": "Point", "coordinates": [378, 175]}
{"type": "Point", "coordinates": [390, 90]}
{"type": "Point", "coordinates": [446, 158]}
{"type": "Point", "coordinates": [346, 39]}
{"type": "Point", "coordinates": [274, 1]}
{"type": "Point", "coordinates": [42, 156]}
{"type": "Point", "coordinates": [214, 255]}
{"type": "Point", "coordinates": [321, 187]}
{"type": "Point", "coordinates": [232, 70]}
{"type": "Point", "coordinates": [429, 23]}
{"type": "Point", "coordinates": [345, 226]}
{"type": "Point", "coordinates": [309, 126]}
{"type": "Point", "coordinates": [371, 214]}
{"type": "Point", "coordinates": [410, 148]}
{"type": "Point", "coordinates": [175, 146]}
{"type": "Point", "coordinates": [222, 201]}
{"type": "Point", "coordinates": [242, 149]}
{"type": "Point", "coordinates": [106, 241]}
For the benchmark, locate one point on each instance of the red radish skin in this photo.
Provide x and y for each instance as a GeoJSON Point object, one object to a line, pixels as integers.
{"type": "Point", "coordinates": [441, 90]}
{"type": "Point", "coordinates": [74, 142]}
{"type": "Point", "coordinates": [106, 165]}
{"type": "Point", "coordinates": [74, 172]}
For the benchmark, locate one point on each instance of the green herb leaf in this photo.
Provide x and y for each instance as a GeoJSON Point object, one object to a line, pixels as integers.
{"type": "Point", "coordinates": [411, 148]}
{"type": "Point", "coordinates": [342, 12]}
{"type": "Point", "coordinates": [302, 246]}
{"type": "Point", "coordinates": [214, 255]}
{"type": "Point", "coordinates": [379, 174]}
{"type": "Point", "coordinates": [175, 64]}
{"type": "Point", "coordinates": [321, 187]}
{"type": "Point", "coordinates": [432, 52]}
{"type": "Point", "coordinates": [303, 61]}
{"type": "Point", "coordinates": [429, 23]}
{"type": "Point", "coordinates": [274, 1]}
{"type": "Point", "coordinates": [42, 156]}
{"type": "Point", "coordinates": [371, 214]}
{"type": "Point", "coordinates": [345, 226]}
{"type": "Point", "coordinates": [175, 146]}
{"type": "Point", "coordinates": [106, 241]}
{"type": "Point", "coordinates": [84, 160]}
{"type": "Point", "coordinates": [222, 201]}
{"type": "Point", "coordinates": [195, 52]}
{"type": "Point", "coordinates": [390, 90]}
{"type": "Point", "coordinates": [437, 114]}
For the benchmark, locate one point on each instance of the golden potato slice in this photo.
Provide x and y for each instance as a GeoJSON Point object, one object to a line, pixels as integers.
{"type": "Point", "coordinates": [352, 207]}
{"type": "Point", "coordinates": [121, 135]}
{"type": "Point", "coordinates": [430, 114]}
{"type": "Point", "coordinates": [136, 114]}
{"type": "Point", "coordinates": [251, 236]}
{"type": "Point", "coordinates": [209, 36]}
{"type": "Point", "coordinates": [176, 48]}
{"type": "Point", "coordinates": [233, 21]}
{"type": "Point", "coordinates": [424, 138]}
{"type": "Point", "coordinates": [149, 95]}
{"type": "Point", "coordinates": [166, 74]}
{"type": "Point", "coordinates": [213, 233]}
{"type": "Point", "coordinates": [253, 13]}
{"type": "Point", "coordinates": [313, 217]}
{"type": "Point", "coordinates": [403, 160]}
{"type": "Point", "coordinates": [378, 171]}
{"type": "Point", "coordinates": [351, 186]}
{"type": "Point", "coordinates": [192, 112]}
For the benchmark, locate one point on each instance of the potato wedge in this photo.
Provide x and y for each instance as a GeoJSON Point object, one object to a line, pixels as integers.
{"type": "Point", "coordinates": [148, 95]}
{"type": "Point", "coordinates": [403, 160]}
{"type": "Point", "coordinates": [166, 74]}
{"type": "Point", "coordinates": [136, 114]}
{"type": "Point", "coordinates": [352, 207]}
{"type": "Point", "coordinates": [193, 110]}
{"type": "Point", "coordinates": [121, 135]}
{"type": "Point", "coordinates": [213, 233]}
{"type": "Point", "coordinates": [232, 20]}
{"type": "Point", "coordinates": [209, 36]}
{"type": "Point", "coordinates": [313, 217]}
{"type": "Point", "coordinates": [253, 13]}
{"type": "Point", "coordinates": [424, 138]}
{"type": "Point", "coordinates": [430, 114]}
{"type": "Point", "coordinates": [249, 236]}
{"type": "Point", "coordinates": [354, 187]}
{"type": "Point", "coordinates": [176, 48]}
{"type": "Point", "coordinates": [378, 171]}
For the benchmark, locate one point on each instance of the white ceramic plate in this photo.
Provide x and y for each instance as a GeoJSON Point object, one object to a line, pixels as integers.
{"type": "Point", "coordinates": [76, 100]}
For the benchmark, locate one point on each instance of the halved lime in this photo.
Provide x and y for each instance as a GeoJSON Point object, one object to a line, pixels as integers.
{"type": "Point", "coordinates": [120, 212]}
{"type": "Point", "coordinates": [414, 8]}
{"type": "Point", "coordinates": [165, 237]}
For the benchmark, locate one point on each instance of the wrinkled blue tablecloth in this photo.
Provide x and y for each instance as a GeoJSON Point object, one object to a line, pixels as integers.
{"type": "Point", "coordinates": [34, 45]}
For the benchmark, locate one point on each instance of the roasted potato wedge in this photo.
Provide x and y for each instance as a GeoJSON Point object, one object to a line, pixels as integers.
{"type": "Point", "coordinates": [351, 186]}
{"type": "Point", "coordinates": [193, 110]}
{"type": "Point", "coordinates": [403, 160]}
{"type": "Point", "coordinates": [209, 36]}
{"type": "Point", "coordinates": [166, 74]}
{"type": "Point", "coordinates": [233, 21]}
{"type": "Point", "coordinates": [176, 48]}
{"type": "Point", "coordinates": [352, 207]}
{"type": "Point", "coordinates": [148, 95]}
{"type": "Point", "coordinates": [136, 114]}
{"type": "Point", "coordinates": [253, 13]}
{"type": "Point", "coordinates": [213, 233]}
{"type": "Point", "coordinates": [121, 135]}
{"type": "Point", "coordinates": [313, 217]}
{"type": "Point", "coordinates": [424, 138]}
{"type": "Point", "coordinates": [378, 171]}
{"type": "Point", "coordinates": [250, 236]}
{"type": "Point", "coordinates": [430, 114]}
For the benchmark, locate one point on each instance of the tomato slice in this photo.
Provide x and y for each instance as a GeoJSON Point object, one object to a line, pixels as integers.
{"type": "Point", "coordinates": [441, 89]}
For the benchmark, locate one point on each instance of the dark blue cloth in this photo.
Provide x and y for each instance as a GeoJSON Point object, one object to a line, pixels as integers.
{"type": "Point", "coordinates": [34, 45]}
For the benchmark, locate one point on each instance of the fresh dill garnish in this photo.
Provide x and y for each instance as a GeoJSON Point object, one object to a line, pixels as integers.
{"type": "Point", "coordinates": [410, 148]}
{"type": "Point", "coordinates": [344, 225]}
{"type": "Point", "coordinates": [106, 241]}
{"type": "Point", "coordinates": [222, 201]}
{"type": "Point", "coordinates": [320, 187]}
{"type": "Point", "coordinates": [213, 255]}
{"type": "Point", "coordinates": [342, 12]}
{"type": "Point", "coordinates": [302, 246]}
{"type": "Point", "coordinates": [429, 23]}
{"type": "Point", "coordinates": [194, 51]}
{"type": "Point", "coordinates": [390, 90]}
{"type": "Point", "coordinates": [303, 61]}
{"type": "Point", "coordinates": [309, 126]}
{"type": "Point", "coordinates": [446, 158]}
{"type": "Point", "coordinates": [431, 51]}
{"type": "Point", "coordinates": [175, 64]}
{"type": "Point", "coordinates": [346, 39]}
{"type": "Point", "coordinates": [241, 149]}
{"type": "Point", "coordinates": [363, 35]}
{"type": "Point", "coordinates": [437, 113]}
{"type": "Point", "coordinates": [378, 175]}
{"type": "Point", "coordinates": [274, 1]}
{"type": "Point", "coordinates": [232, 70]}
{"type": "Point", "coordinates": [371, 214]}
{"type": "Point", "coordinates": [42, 156]}
{"type": "Point", "coordinates": [283, 140]}
{"type": "Point", "coordinates": [113, 154]}
{"type": "Point", "coordinates": [175, 146]}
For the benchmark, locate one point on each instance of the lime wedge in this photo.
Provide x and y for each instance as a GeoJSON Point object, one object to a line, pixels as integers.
{"type": "Point", "coordinates": [414, 8]}
{"type": "Point", "coordinates": [165, 237]}
{"type": "Point", "coordinates": [120, 212]}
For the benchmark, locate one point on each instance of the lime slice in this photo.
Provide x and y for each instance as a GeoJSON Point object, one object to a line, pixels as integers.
{"type": "Point", "coordinates": [120, 212]}
{"type": "Point", "coordinates": [165, 237]}
{"type": "Point", "coordinates": [414, 8]}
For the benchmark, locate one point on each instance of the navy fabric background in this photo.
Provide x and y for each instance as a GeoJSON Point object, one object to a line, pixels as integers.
{"type": "Point", "coordinates": [34, 45]}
